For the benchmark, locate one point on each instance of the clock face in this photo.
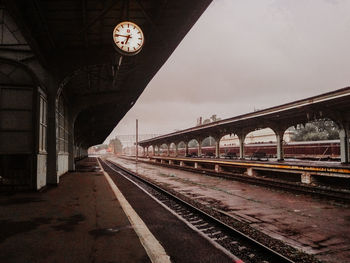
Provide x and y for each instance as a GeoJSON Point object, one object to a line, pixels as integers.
{"type": "Point", "coordinates": [128, 38]}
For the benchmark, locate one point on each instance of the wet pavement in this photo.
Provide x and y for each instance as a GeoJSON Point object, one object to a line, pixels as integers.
{"type": "Point", "coordinates": [78, 221]}
{"type": "Point", "coordinates": [316, 226]}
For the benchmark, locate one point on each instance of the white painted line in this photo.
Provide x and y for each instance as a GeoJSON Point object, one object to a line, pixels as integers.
{"type": "Point", "coordinates": [153, 248]}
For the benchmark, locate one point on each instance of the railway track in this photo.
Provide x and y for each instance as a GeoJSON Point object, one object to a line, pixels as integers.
{"type": "Point", "coordinates": [241, 247]}
{"type": "Point", "coordinates": [321, 192]}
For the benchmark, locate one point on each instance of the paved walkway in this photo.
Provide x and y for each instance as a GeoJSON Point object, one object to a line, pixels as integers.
{"type": "Point", "coordinates": [78, 221]}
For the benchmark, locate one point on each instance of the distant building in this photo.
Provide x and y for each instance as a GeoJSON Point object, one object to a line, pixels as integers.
{"type": "Point", "coordinates": [131, 150]}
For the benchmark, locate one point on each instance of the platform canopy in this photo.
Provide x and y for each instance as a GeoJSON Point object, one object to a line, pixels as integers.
{"type": "Point", "coordinates": [72, 41]}
{"type": "Point", "coordinates": [334, 105]}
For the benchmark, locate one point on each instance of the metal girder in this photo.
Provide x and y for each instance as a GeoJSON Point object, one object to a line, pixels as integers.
{"type": "Point", "coordinates": [99, 16]}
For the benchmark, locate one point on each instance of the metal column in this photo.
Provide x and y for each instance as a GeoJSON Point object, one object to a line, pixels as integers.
{"type": "Point", "coordinates": [241, 138]}
{"type": "Point", "coordinates": [186, 148]}
{"type": "Point", "coordinates": [344, 144]}
{"type": "Point", "coordinates": [199, 147]}
{"type": "Point", "coordinates": [280, 151]}
{"type": "Point", "coordinates": [217, 148]}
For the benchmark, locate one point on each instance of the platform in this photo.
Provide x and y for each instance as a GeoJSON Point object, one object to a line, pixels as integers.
{"type": "Point", "coordinates": [307, 172]}
{"type": "Point", "coordinates": [78, 221]}
{"type": "Point", "coordinates": [92, 216]}
{"type": "Point", "coordinates": [292, 165]}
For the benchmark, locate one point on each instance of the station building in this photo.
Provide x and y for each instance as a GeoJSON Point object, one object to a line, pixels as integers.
{"type": "Point", "coordinates": [64, 84]}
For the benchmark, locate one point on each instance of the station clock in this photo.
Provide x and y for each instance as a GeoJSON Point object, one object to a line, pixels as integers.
{"type": "Point", "coordinates": [128, 38]}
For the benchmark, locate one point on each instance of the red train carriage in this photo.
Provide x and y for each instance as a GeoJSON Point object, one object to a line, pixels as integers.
{"type": "Point", "coordinates": [329, 149]}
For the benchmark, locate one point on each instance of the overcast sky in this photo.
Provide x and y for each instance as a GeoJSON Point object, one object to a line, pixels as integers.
{"type": "Point", "coordinates": [243, 55]}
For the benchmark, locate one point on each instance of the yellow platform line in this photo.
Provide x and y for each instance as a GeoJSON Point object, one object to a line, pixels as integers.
{"type": "Point", "coordinates": [265, 165]}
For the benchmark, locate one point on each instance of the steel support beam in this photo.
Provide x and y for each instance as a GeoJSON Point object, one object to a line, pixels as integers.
{"type": "Point", "coordinates": [279, 141]}
{"type": "Point", "coordinates": [217, 148]}
{"type": "Point", "coordinates": [199, 147]}
{"type": "Point", "coordinates": [176, 149]}
{"type": "Point", "coordinates": [168, 150]}
{"type": "Point", "coordinates": [98, 17]}
{"type": "Point", "coordinates": [241, 138]}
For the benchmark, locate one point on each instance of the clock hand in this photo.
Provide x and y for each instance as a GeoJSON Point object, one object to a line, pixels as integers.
{"type": "Point", "coordinates": [122, 35]}
{"type": "Point", "coordinates": [127, 39]}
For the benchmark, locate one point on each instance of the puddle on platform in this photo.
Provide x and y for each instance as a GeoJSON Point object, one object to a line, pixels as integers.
{"type": "Point", "coordinates": [107, 231]}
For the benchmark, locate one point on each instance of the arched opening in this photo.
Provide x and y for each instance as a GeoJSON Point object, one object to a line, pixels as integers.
{"type": "Point", "coordinates": [84, 126]}
{"type": "Point", "coordinates": [193, 148]}
{"type": "Point", "coordinates": [260, 144]}
{"type": "Point", "coordinates": [156, 150]}
{"type": "Point", "coordinates": [163, 149]}
{"type": "Point", "coordinates": [229, 146]}
{"type": "Point", "coordinates": [314, 140]}
{"type": "Point", "coordinates": [181, 147]}
{"type": "Point", "coordinates": [173, 150]}
{"type": "Point", "coordinates": [208, 147]}
{"type": "Point", "coordinates": [150, 150]}
{"type": "Point", "coordinates": [317, 130]}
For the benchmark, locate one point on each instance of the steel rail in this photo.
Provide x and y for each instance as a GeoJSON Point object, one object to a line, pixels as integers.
{"type": "Point", "coordinates": [271, 254]}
